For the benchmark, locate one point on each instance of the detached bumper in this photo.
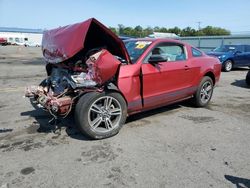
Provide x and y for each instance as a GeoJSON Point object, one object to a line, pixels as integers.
{"type": "Point", "coordinates": [56, 105]}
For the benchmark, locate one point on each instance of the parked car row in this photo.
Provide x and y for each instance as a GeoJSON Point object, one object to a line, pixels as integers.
{"type": "Point", "coordinates": [18, 41]}
{"type": "Point", "coordinates": [232, 56]}
{"type": "Point", "coordinates": [3, 41]}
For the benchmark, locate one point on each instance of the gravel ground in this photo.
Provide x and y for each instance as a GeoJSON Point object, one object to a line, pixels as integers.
{"type": "Point", "coordinates": [174, 146]}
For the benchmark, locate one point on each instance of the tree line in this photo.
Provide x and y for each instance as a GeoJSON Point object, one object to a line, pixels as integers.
{"type": "Point", "coordinates": [139, 31]}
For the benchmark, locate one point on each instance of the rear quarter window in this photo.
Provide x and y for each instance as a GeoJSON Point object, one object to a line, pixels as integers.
{"type": "Point", "coordinates": [196, 53]}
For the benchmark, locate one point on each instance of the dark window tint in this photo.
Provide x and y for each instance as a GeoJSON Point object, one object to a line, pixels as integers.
{"type": "Point", "coordinates": [196, 53]}
{"type": "Point", "coordinates": [240, 48]}
{"type": "Point", "coordinates": [247, 48]}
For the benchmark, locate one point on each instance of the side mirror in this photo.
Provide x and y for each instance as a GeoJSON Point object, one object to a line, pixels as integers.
{"type": "Point", "coordinates": [154, 59]}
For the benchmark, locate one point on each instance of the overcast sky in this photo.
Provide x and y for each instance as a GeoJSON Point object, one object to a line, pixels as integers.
{"type": "Point", "coordinates": [40, 14]}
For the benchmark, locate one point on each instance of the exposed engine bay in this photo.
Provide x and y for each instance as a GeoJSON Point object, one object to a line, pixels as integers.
{"type": "Point", "coordinates": [68, 80]}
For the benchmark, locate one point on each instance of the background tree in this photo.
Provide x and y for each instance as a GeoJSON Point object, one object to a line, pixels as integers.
{"type": "Point", "coordinates": [120, 29]}
{"type": "Point", "coordinates": [139, 31]}
{"type": "Point", "coordinates": [175, 30]}
{"type": "Point", "coordinates": [128, 31]}
{"type": "Point", "coordinates": [114, 30]}
{"type": "Point", "coordinates": [211, 31]}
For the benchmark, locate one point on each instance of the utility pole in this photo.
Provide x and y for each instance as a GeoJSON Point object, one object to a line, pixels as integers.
{"type": "Point", "coordinates": [199, 25]}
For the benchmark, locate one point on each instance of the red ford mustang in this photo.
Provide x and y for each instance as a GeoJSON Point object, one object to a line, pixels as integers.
{"type": "Point", "coordinates": [104, 79]}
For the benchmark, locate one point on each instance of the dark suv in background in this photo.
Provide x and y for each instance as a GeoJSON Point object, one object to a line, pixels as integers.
{"type": "Point", "coordinates": [232, 56]}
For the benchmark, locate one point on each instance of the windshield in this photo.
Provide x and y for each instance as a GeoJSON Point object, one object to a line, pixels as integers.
{"type": "Point", "coordinates": [136, 48]}
{"type": "Point", "coordinates": [226, 48]}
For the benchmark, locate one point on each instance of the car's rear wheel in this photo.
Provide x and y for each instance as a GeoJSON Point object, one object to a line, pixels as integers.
{"type": "Point", "coordinates": [248, 78]}
{"type": "Point", "coordinates": [228, 66]}
{"type": "Point", "coordinates": [100, 115]}
{"type": "Point", "coordinates": [204, 92]}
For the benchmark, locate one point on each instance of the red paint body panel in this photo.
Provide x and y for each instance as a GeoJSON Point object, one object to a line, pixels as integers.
{"type": "Point", "coordinates": [105, 66]}
{"type": "Point", "coordinates": [164, 79]}
{"type": "Point", "coordinates": [130, 85]}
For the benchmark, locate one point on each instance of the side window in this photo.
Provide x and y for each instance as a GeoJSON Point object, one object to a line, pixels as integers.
{"type": "Point", "coordinates": [196, 53]}
{"type": "Point", "coordinates": [247, 48]}
{"type": "Point", "coordinates": [240, 48]}
{"type": "Point", "coordinates": [170, 51]}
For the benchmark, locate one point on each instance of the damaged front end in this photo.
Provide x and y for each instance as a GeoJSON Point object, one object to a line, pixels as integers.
{"type": "Point", "coordinates": [80, 58]}
{"type": "Point", "coordinates": [68, 80]}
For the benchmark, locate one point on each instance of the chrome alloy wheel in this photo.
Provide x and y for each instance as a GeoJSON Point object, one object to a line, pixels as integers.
{"type": "Point", "coordinates": [228, 66]}
{"type": "Point", "coordinates": [206, 92]}
{"type": "Point", "coordinates": [104, 114]}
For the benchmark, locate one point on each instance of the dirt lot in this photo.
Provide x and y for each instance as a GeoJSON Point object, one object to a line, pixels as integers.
{"type": "Point", "coordinates": [175, 146]}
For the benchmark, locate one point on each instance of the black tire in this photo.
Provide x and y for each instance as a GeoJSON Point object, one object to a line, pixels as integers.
{"type": "Point", "coordinates": [84, 112]}
{"type": "Point", "coordinates": [248, 78]}
{"type": "Point", "coordinates": [227, 65]}
{"type": "Point", "coordinates": [197, 100]}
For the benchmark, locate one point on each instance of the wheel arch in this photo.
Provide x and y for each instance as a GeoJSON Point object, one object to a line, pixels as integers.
{"type": "Point", "coordinates": [112, 87]}
{"type": "Point", "coordinates": [211, 75]}
{"type": "Point", "coordinates": [230, 59]}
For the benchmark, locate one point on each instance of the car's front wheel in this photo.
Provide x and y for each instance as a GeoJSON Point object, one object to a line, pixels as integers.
{"type": "Point", "coordinates": [228, 66]}
{"type": "Point", "coordinates": [100, 115]}
{"type": "Point", "coordinates": [204, 92]}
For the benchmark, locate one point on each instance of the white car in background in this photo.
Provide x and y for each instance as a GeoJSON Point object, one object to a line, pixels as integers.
{"type": "Point", "coordinates": [31, 44]}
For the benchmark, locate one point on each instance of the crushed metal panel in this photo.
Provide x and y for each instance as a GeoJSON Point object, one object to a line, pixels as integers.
{"type": "Point", "coordinates": [64, 42]}
{"type": "Point", "coordinates": [102, 66]}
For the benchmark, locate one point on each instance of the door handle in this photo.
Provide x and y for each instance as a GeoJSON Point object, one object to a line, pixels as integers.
{"type": "Point", "coordinates": [187, 67]}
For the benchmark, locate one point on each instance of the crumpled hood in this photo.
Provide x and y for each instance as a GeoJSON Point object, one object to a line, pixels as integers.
{"type": "Point", "coordinates": [63, 43]}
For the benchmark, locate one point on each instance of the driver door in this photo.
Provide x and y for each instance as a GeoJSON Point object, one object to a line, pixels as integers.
{"type": "Point", "coordinates": [168, 80]}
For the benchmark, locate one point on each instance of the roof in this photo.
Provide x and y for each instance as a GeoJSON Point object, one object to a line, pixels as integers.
{"type": "Point", "coordinates": [158, 40]}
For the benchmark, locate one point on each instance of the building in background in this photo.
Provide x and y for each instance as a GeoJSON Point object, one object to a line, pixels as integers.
{"type": "Point", "coordinates": [20, 36]}
{"type": "Point", "coordinates": [163, 35]}
{"type": "Point", "coordinates": [207, 43]}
